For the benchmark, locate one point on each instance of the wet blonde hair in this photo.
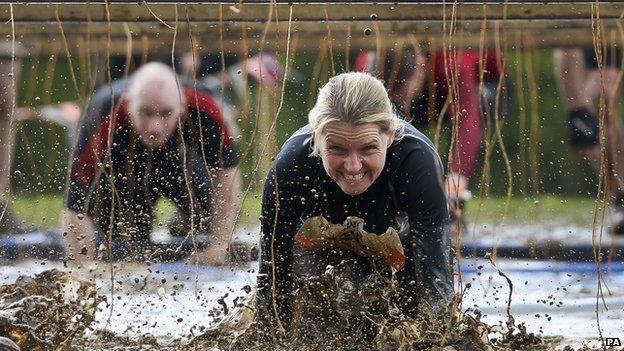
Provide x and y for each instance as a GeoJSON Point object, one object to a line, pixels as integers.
{"type": "Point", "coordinates": [354, 98]}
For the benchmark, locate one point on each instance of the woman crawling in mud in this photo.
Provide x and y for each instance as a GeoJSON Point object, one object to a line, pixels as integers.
{"type": "Point", "coordinates": [356, 163]}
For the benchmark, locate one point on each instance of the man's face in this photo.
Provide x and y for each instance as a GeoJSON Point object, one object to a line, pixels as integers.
{"type": "Point", "coordinates": [155, 117]}
{"type": "Point", "coordinates": [354, 156]}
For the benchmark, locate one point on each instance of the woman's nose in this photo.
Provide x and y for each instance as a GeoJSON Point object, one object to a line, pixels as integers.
{"type": "Point", "coordinates": [353, 163]}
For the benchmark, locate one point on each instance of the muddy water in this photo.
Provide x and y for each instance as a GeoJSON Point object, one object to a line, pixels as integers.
{"type": "Point", "coordinates": [329, 313]}
{"type": "Point", "coordinates": [175, 307]}
{"type": "Point", "coordinates": [54, 310]}
{"type": "Point", "coordinates": [47, 311]}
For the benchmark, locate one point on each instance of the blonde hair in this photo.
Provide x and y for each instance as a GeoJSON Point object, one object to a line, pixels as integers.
{"type": "Point", "coordinates": [354, 98]}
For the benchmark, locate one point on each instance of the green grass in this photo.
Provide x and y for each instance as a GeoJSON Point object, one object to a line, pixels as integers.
{"type": "Point", "coordinates": [548, 209]}
{"type": "Point", "coordinates": [44, 210]}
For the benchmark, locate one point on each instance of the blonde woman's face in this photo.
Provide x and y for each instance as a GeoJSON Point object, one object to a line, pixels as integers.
{"type": "Point", "coordinates": [354, 156]}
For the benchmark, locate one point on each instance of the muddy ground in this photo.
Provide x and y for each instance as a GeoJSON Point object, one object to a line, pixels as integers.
{"type": "Point", "coordinates": [56, 310]}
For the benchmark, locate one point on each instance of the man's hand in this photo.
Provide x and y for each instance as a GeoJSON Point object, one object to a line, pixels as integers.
{"type": "Point", "coordinates": [226, 187]}
{"type": "Point", "coordinates": [78, 234]}
{"type": "Point", "coordinates": [214, 255]}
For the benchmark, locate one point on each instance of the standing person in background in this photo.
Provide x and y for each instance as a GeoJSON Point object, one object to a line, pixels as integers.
{"type": "Point", "coordinates": [9, 73]}
{"type": "Point", "coordinates": [418, 87]}
{"type": "Point", "coordinates": [580, 82]}
{"type": "Point", "coordinates": [149, 138]}
{"type": "Point", "coordinates": [227, 84]}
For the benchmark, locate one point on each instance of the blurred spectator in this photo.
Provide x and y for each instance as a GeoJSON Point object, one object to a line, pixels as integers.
{"type": "Point", "coordinates": [418, 86]}
{"type": "Point", "coordinates": [580, 82]}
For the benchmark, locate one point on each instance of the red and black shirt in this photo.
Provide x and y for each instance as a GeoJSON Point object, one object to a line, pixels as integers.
{"type": "Point", "coordinates": [107, 145]}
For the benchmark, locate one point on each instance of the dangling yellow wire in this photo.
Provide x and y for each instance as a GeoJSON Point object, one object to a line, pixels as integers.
{"type": "Point", "coordinates": [519, 49]}
{"type": "Point", "coordinates": [599, 207]}
{"type": "Point", "coordinates": [329, 40]}
{"type": "Point", "coordinates": [67, 53]}
{"type": "Point", "coordinates": [273, 266]}
{"type": "Point", "coordinates": [12, 115]}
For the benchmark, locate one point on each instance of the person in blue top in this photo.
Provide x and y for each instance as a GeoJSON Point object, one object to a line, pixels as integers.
{"type": "Point", "coordinates": [356, 157]}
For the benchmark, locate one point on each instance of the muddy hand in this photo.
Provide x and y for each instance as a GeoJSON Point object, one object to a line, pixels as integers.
{"type": "Point", "coordinates": [386, 246]}
{"type": "Point", "coordinates": [318, 233]}
{"type": "Point", "coordinates": [350, 238]}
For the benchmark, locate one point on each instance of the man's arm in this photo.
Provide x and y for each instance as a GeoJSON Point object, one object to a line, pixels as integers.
{"type": "Point", "coordinates": [225, 203]}
{"type": "Point", "coordinates": [78, 228]}
{"type": "Point", "coordinates": [66, 114]}
{"type": "Point", "coordinates": [78, 235]}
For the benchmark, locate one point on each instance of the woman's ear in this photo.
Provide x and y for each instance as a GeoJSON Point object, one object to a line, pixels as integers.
{"type": "Point", "coordinates": [391, 137]}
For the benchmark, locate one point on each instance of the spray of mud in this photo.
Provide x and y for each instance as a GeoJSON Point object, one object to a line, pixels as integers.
{"type": "Point", "coordinates": [47, 311]}
{"type": "Point", "coordinates": [334, 308]}
{"type": "Point", "coordinates": [54, 311]}
{"type": "Point", "coordinates": [337, 310]}
{"type": "Point", "coordinates": [334, 312]}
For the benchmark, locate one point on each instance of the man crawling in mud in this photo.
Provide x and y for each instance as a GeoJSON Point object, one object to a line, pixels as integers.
{"type": "Point", "coordinates": [142, 138]}
{"type": "Point", "coordinates": [356, 162]}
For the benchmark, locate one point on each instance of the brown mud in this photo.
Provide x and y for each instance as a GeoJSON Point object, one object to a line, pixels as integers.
{"type": "Point", "coordinates": [47, 311]}
{"type": "Point", "coordinates": [53, 311]}
{"type": "Point", "coordinates": [332, 313]}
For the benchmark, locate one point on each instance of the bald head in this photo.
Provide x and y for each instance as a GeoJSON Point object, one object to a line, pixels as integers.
{"type": "Point", "coordinates": [155, 102]}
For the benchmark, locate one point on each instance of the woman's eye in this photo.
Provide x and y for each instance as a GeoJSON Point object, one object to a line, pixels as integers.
{"type": "Point", "coordinates": [336, 149]}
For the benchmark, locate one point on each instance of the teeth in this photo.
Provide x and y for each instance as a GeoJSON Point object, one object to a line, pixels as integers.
{"type": "Point", "coordinates": [354, 176]}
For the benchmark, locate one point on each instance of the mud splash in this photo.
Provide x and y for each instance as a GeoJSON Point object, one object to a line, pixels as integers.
{"type": "Point", "coordinates": [47, 311]}
{"type": "Point", "coordinates": [54, 311]}
{"type": "Point", "coordinates": [331, 312]}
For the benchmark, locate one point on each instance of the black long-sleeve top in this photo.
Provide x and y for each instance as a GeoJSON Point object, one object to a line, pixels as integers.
{"type": "Point", "coordinates": [408, 194]}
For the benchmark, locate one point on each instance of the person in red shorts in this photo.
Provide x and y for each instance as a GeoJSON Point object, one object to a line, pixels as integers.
{"type": "Point", "coordinates": [418, 86]}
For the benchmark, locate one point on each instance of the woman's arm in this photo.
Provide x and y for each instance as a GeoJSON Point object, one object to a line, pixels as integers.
{"type": "Point", "coordinates": [281, 211]}
{"type": "Point", "coordinates": [427, 276]}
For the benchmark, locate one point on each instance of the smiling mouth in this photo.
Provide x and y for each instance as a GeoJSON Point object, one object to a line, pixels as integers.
{"type": "Point", "coordinates": [354, 177]}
